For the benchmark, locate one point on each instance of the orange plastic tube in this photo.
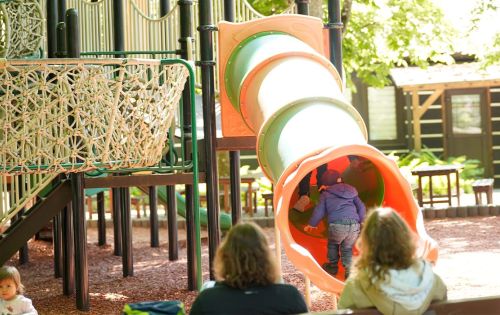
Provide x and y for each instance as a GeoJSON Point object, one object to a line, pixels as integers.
{"type": "Point", "coordinates": [288, 94]}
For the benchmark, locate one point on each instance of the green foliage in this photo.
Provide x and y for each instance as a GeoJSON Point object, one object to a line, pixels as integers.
{"type": "Point", "coordinates": [223, 163]}
{"type": "Point", "coordinates": [482, 7]}
{"type": "Point", "coordinates": [270, 7]}
{"type": "Point", "coordinates": [390, 33]}
{"type": "Point", "coordinates": [471, 170]}
{"type": "Point", "coordinates": [383, 34]}
{"type": "Point", "coordinates": [490, 54]}
{"type": "Point", "coordinates": [136, 192]}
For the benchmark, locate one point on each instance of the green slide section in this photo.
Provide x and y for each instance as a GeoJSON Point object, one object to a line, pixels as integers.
{"type": "Point", "coordinates": [225, 219]}
{"type": "Point", "coordinates": [93, 191]}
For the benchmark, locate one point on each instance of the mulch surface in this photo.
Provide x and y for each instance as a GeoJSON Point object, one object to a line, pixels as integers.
{"type": "Point", "coordinates": [468, 263]}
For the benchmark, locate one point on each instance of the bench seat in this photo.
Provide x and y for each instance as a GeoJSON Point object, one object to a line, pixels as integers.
{"type": "Point", "coordinates": [483, 185]}
{"type": "Point", "coordinates": [483, 305]}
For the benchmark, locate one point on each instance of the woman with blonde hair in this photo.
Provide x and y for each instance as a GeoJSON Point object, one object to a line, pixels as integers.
{"type": "Point", "coordinates": [247, 278]}
{"type": "Point", "coordinates": [387, 275]}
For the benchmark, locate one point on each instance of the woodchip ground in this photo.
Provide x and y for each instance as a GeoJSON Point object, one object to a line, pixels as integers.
{"type": "Point", "coordinates": [468, 262]}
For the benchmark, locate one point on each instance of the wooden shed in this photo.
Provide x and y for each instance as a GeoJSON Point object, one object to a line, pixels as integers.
{"type": "Point", "coordinates": [453, 110]}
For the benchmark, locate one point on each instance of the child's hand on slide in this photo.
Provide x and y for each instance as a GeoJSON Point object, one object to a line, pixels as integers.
{"type": "Point", "coordinates": [309, 228]}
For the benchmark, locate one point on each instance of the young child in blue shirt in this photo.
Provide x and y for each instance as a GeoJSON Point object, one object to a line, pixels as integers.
{"type": "Point", "coordinates": [345, 212]}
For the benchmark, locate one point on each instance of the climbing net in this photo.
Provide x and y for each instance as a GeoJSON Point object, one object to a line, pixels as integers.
{"type": "Point", "coordinates": [21, 28]}
{"type": "Point", "coordinates": [75, 115]}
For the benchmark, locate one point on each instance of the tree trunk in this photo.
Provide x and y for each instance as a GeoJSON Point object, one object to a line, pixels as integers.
{"type": "Point", "coordinates": [316, 8]}
{"type": "Point", "coordinates": [346, 14]}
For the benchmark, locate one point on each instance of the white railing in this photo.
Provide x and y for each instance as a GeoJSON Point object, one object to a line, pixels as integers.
{"type": "Point", "coordinates": [16, 191]}
{"type": "Point", "coordinates": [144, 30]}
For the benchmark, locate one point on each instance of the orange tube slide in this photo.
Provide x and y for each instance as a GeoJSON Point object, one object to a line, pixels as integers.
{"type": "Point", "coordinates": [277, 84]}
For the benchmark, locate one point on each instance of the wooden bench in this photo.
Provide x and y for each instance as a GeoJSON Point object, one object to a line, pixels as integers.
{"type": "Point", "coordinates": [483, 305]}
{"type": "Point", "coordinates": [437, 170]}
{"type": "Point", "coordinates": [268, 201]}
{"type": "Point", "coordinates": [484, 185]}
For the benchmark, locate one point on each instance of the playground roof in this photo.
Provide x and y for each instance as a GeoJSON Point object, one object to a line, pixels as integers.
{"type": "Point", "coordinates": [456, 76]}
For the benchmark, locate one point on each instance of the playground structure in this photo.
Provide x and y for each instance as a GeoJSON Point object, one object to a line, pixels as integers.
{"type": "Point", "coordinates": [256, 101]}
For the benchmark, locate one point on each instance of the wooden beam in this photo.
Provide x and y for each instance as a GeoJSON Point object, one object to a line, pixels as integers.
{"type": "Point", "coordinates": [451, 85]}
{"type": "Point", "coordinates": [415, 105]}
{"type": "Point", "coordinates": [33, 220]}
{"type": "Point", "coordinates": [236, 143]}
{"type": "Point", "coordinates": [141, 180]}
{"type": "Point", "coordinates": [418, 112]}
{"type": "Point", "coordinates": [428, 102]}
{"type": "Point", "coordinates": [483, 305]}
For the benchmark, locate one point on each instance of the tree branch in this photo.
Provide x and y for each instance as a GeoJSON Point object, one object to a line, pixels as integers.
{"type": "Point", "coordinates": [345, 14]}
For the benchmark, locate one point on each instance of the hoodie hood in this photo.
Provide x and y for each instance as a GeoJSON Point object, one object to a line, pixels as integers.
{"type": "Point", "coordinates": [409, 287]}
{"type": "Point", "coordinates": [342, 190]}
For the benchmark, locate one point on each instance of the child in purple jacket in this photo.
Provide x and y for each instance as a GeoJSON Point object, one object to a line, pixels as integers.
{"type": "Point", "coordinates": [345, 212]}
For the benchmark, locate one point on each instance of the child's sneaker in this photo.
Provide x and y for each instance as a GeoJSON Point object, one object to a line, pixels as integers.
{"type": "Point", "coordinates": [330, 268]}
{"type": "Point", "coordinates": [302, 203]}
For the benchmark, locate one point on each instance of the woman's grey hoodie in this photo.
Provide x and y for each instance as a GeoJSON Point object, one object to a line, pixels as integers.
{"type": "Point", "coordinates": [407, 291]}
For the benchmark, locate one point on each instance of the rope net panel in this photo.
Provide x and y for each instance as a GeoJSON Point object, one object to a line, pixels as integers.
{"type": "Point", "coordinates": [21, 28]}
{"type": "Point", "coordinates": [75, 115]}
{"type": "Point", "coordinates": [4, 31]}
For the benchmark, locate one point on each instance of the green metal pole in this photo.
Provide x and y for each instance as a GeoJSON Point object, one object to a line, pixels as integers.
{"type": "Point", "coordinates": [302, 6]}
{"type": "Point", "coordinates": [164, 7]}
{"type": "Point", "coordinates": [335, 35]}
{"type": "Point", "coordinates": [77, 187]}
{"type": "Point", "coordinates": [186, 40]}
{"type": "Point", "coordinates": [207, 65]}
{"type": "Point", "coordinates": [195, 189]}
{"type": "Point", "coordinates": [234, 156]}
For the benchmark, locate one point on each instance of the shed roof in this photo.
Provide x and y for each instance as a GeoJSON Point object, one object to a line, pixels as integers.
{"type": "Point", "coordinates": [446, 76]}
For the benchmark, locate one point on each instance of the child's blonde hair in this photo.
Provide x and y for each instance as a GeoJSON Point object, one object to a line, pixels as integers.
{"type": "Point", "coordinates": [386, 242]}
{"type": "Point", "coordinates": [9, 272]}
{"type": "Point", "coordinates": [244, 258]}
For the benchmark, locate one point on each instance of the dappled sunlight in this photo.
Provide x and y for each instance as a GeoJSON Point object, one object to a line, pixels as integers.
{"type": "Point", "coordinates": [459, 222]}
{"type": "Point", "coordinates": [110, 296]}
{"type": "Point", "coordinates": [149, 265]}
{"type": "Point", "coordinates": [468, 258]}
{"type": "Point", "coordinates": [470, 272]}
{"type": "Point", "coordinates": [469, 251]}
{"type": "Point", "coordinates": [471, 245]}
{"type": "Point", "coordinates": [317, 294]}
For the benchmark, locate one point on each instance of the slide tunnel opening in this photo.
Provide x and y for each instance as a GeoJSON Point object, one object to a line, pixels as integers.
{"type": "Point", "coordinates": [356, 171]}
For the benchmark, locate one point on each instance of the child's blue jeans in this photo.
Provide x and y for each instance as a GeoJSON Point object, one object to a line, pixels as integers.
{"type": "Point", "coordinates": [342, 235]}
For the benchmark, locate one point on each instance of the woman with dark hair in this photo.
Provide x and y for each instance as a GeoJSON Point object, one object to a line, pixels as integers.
{"type": "Point", "coordinates": [387, 274]}
{"type": "Point", "coordinates": [247, 278]}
